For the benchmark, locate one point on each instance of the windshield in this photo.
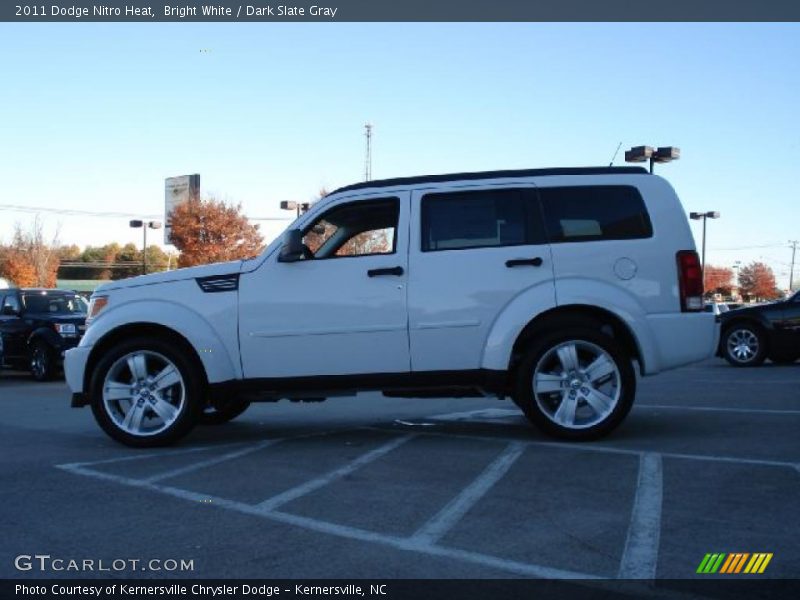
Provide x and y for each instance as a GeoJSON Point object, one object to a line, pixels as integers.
{"type": "Point", "coordinates": [54, 303]}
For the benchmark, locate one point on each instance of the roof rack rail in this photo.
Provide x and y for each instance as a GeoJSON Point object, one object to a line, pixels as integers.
{"type": "Point", "coordinates": [507, 174]}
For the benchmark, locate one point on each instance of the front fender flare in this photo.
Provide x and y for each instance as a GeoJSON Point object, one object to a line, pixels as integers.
{"type": "Point", "coordinates": [218, 364]}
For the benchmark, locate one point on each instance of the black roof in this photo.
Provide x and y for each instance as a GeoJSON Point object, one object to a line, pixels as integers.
{"type": "Point", "coordinates": [508, 174]}
{"type": "Point", "coordinates": [46, 291]}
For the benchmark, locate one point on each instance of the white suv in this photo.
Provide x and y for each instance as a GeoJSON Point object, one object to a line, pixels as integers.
{"type": "Point", "coordinates": [542, 285]}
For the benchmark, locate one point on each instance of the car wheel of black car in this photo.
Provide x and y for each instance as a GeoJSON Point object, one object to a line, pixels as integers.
{"type": "Point", "coordinates": [744, 345]}
{"type": "Point", "coordinates": [222, 412]}
{"type": "Point", "coordinates": [577, 384]}
{"type": "Point", "coordinates": [146, 392]}
{"type": "Point", "coordinates": [43, 362]}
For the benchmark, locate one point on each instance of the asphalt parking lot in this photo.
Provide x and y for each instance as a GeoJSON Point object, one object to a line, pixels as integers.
{"type": "Point", "coordinates": [707, 462]}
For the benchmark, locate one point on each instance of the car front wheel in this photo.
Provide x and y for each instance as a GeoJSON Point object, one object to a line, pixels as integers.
{"type": "Point", "coordinates": [43, 362]}
{"type": "Point", "coordinates": [744, 346]}
{"type": "Point", "coordinates": [146, 392]}
{"type": "Point", "coordinates": [577, 384]}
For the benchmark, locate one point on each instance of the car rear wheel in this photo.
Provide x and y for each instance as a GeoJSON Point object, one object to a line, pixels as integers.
{"type": "Point", "coordinates": [744, 345]}
{"type": "Point", "coordinates": [43, 362]}
{"type": "Point", "coordinates": [220, 413]}
{"type": "Point", "coordinates": [577, 384]}
{"type": "Point", "coordinates": [146, 393]}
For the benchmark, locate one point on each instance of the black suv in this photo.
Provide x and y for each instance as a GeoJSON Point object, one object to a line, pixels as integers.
{"type": "Point", "coordinates": [37, 326]}
{"type": "Point", "coordinates": [751, 334]}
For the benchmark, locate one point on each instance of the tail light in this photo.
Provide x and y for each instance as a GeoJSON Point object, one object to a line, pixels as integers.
{"type": "Point", "coordinates": [690, 281]}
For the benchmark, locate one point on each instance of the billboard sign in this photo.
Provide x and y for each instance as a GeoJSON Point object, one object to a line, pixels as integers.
{"type": "Point", "coordinates": [178, 190]}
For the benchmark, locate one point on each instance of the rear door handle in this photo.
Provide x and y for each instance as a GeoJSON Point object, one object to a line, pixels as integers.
{"type": "Point", "coordinates": [525, 262]}
{"type": "Point", "coordinates": [396, 271]}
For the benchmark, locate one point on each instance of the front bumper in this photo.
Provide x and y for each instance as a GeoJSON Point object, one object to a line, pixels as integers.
{"type": "Point", "coordinates": [75, 360]}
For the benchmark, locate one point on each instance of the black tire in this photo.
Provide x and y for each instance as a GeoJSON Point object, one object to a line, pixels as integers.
{"type": "Point", "coordinates": [43, 361]}
{"type": "Point", "coordinates": [192, 383]}
{"type": "Point", "coordinates": [220, 413]}
{"type": "Point", "coordinates": [586, 340]}
{"type": "Point", "coordinates": [736, 338]}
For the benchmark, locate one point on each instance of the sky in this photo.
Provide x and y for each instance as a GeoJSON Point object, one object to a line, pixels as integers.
{"type": "Point", "coordinates": [96, 116]}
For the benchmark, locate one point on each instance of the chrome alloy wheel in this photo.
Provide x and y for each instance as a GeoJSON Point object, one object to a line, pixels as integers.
{"type": "Point", "coordinates": [577, 384]}
{"type": "Point", "coordinates": [742, 345]}
{"type": "Point", "coordinates": [143, 393]}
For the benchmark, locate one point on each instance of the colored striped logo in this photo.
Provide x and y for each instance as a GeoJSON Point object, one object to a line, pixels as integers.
{"type": "Point", "coordinates": [735, 562]}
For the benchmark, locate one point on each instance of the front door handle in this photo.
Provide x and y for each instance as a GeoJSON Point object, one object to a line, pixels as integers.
{"type": "Point", "coordinates": [522, 262]}
{"type": "Point", "coordinates": [397, 271]}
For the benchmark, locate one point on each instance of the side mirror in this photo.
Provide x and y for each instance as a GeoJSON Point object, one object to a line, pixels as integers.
{"type": "Point", "coordinates": [10, 311]}
{"type": "Point", "coordinates": [293, 248]}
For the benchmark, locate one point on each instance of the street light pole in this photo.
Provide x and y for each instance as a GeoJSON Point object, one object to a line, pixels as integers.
{"type": "Point", "coordinates": [704, 216]}
{"type": "Point", "coordinates": [145, 225]}
{"type": "Point", "coordinates": [144, 252]}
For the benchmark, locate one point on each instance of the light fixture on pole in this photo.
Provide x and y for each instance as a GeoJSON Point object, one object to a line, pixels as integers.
{"type": "Point", "coordinates": [145, 225]}
{"type": "Point", "coordinates": [704, 216]}
{"type": "Point", "coordinates": [300, 207]}
{"type": "Point", "coordinates": [662, 154]}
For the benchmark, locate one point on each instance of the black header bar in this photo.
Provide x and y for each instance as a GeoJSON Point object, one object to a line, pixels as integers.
{"type": "Point", "coordinates": [151, 11]}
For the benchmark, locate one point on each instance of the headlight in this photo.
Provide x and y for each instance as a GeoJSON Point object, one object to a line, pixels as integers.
{"type": "Point", "coordinates": [66, 329]}
{"type": "Point", "coordinates": [96, 304]}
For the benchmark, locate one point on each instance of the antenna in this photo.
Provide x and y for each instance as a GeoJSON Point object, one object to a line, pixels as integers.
{"type": "Point", "coordinates": [368, 152]}
{"type": "Point", "coordinates": [611, 164]}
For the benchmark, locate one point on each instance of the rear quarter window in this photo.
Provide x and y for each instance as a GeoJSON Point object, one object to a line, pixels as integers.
{"type": "Point", "coordinates": [591, 213]}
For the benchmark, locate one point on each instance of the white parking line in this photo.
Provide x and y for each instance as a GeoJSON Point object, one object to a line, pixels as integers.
{"type": "Point", "coordinates": [343, 531]}
{"type": "Point", "coordinates": [486, 415]}
{"type": "Point", "coordinates": [595, 447]}
{"type": "Point", "coordinates": [143, 455]}
{"type": "Point", "coordinates": [640, 558]}
{"type": "Point", "coordinates": [458, 507]}
{"type": "Point", "coordinates": [211, 461]}
{"type": "Point", "coordinates": [754, 411]}
{"type": "Point", "coordinates": [314, 484]}
{"type": "Point", "coordinates": [155, 454]}
{"type": "Point", "coordinates": [510, 415]}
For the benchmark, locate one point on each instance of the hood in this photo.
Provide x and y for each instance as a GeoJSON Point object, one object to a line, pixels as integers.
{"type": "Point", "coordinates": [226, 268]}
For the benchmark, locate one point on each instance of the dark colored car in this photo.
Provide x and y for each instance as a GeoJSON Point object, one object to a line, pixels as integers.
{"type": "Point", "coordinates": [37, 326]}
{"type": "Point", "coordinates": [750, 335]}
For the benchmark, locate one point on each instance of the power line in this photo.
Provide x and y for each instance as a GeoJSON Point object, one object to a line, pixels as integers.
{"type": "Point", "coordinates": [72, 212]}
{"type": "Point", "coordinates": [732, 248]}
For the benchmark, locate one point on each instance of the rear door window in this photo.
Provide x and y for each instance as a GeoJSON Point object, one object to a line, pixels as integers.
{"type": "Point", "coordinates": [590, 213]}
{"type": "Point", "coordinates": [480, 219]}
